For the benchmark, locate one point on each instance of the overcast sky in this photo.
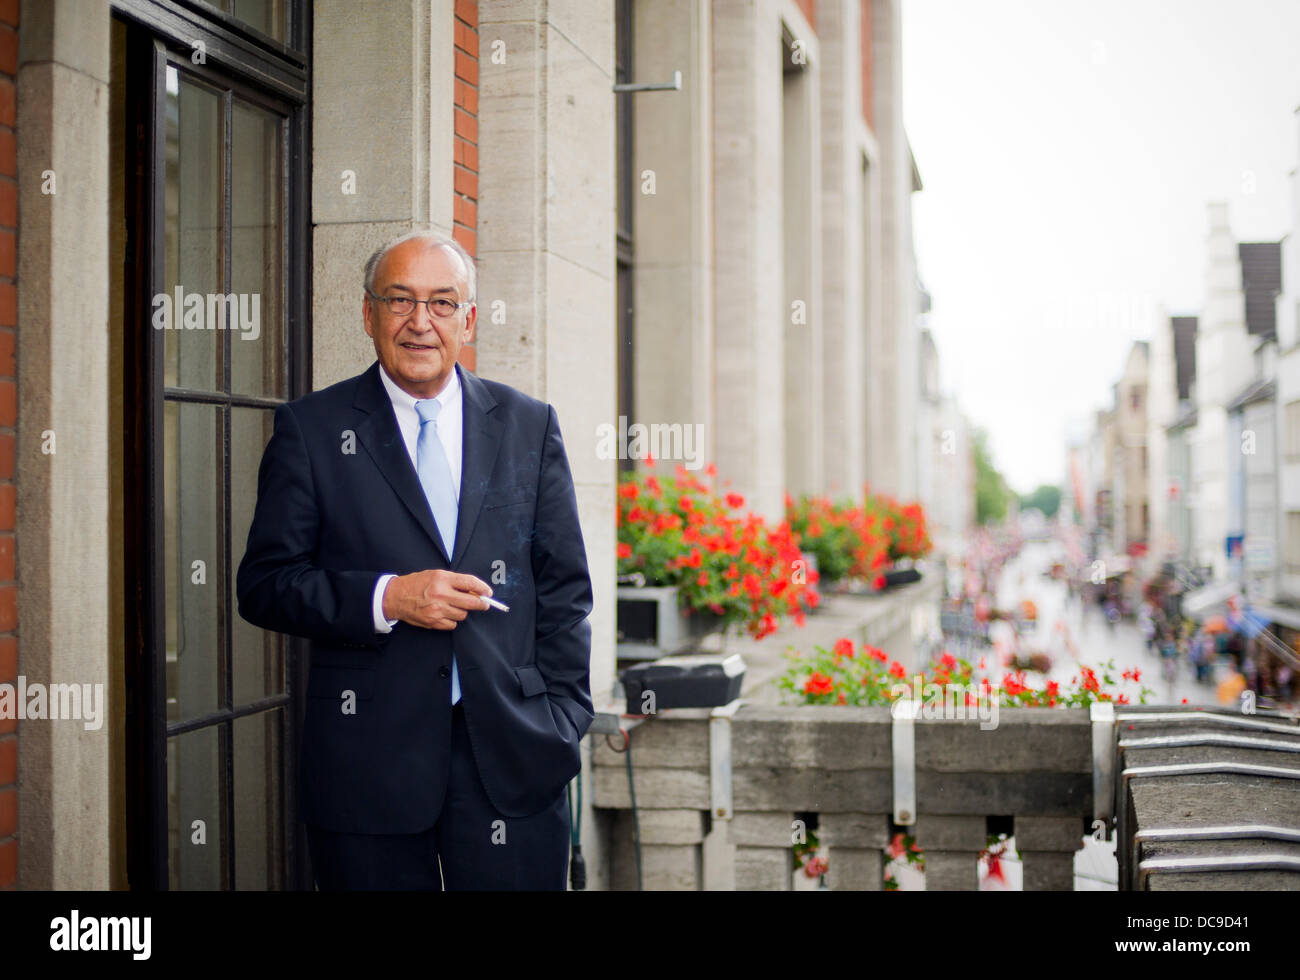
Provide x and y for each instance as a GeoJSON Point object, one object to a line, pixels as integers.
{"type": "Point", "coordinates": [1069, 149]}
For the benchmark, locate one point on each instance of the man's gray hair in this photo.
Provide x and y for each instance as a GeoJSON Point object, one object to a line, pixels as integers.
{"type": "Point", "coordinates": [434, 239]}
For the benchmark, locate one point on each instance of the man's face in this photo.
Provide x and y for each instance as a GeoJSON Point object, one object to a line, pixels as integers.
{"type": "Point", "coordinates": [419, 350]}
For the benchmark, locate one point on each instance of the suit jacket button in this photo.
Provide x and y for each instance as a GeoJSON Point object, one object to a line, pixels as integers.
{"type": "Point", "coordinates": [444, 672]}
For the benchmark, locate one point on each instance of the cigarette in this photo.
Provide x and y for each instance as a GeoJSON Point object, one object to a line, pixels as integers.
{"type": "Point", "coordinates": [494, 604]}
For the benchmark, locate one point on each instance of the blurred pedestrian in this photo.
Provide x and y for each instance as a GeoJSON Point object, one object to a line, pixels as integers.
{"type": "Point", "coordinates": [1230, 688]}
{"type": "Point", "coordinates": [1147, 625]}
{"type": "Point", "coordinates": [1202, 653]}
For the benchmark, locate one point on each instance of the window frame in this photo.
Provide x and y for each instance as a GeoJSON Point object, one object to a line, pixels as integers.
{"type": "Point", "coordinates": [274, 77]}
{"type": "Point", "coordinates": [625, 207]}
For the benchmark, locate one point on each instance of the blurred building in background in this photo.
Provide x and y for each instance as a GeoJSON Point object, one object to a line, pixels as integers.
{"type": "Point", "coordinates": [1226, 345]}
{"type": "Point", "coordinates": [1101, 483]}
{"type": "Point", "coordinates": [1287, 402]}
{"type": "Point", "coordinates": [951, 504]}
{"type": "Point", "coordinates": [1195, 467]}
{"type": "Point", "coordinates": [1132, 510]}
{"type": "Point", "coordinates": [767, 279]}
{"type": "Point", "coordinates": [1173, 480]}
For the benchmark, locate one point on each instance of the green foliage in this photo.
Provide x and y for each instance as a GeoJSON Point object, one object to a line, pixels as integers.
{"type": "Point", "coordinates": [1045, 498]}
{"type": "Point", "coordinates": [991, 491]}
{"type": "Point", "coordinates": [862, 675]}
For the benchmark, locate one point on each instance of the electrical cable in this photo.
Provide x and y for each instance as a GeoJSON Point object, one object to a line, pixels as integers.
{"type": "Point", "coordinates": [636, 823]}
{"type": "Point", "coordinates": [577, 866]}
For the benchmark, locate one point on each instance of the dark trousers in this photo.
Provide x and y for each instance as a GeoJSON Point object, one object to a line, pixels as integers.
{"type": "Point", "coordinates": [470, 847]}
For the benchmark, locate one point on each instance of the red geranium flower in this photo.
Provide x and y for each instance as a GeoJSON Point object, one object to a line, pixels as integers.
{"type": "Point", "coordinates": [819, 683]}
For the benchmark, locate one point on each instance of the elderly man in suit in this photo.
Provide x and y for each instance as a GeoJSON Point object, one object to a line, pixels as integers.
{"type": "Point", "coordinates": [441, 731]}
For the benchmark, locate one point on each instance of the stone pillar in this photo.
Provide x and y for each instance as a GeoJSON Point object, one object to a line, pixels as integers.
{"type": "Point", "coordinates": [546, 210]}
{"type": "Point", "coordinates": [65, 816]}
{"type": "Point", "coordinates": [844, 261]}
{"type": "Point", "coordinates": [801, 151]}
{"type": "Point", "coordinates": [719, 852]}
{"type": "Point", "coordinates": [376, 68]}
{"type": "Point", "coordinates": [856, 844]}
{"type": "Point", "coordinates": [671, 857]}
{"type": "Point", "coordinates": [671, 228]}
{"type": "Point", "coordinates": [749, 313]}
{"type": "Point", "coordinates": [1047, 846]}
{"type": "Point", "coordinates": [952, 845]}
{"type": "Point", "coordinates": [885, 446]}
{"type": "Point", "coordinates": [764, 851]}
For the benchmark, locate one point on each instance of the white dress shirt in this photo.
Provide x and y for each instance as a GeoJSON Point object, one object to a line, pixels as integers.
{"type": "Point", "coordinates": [449, 427]}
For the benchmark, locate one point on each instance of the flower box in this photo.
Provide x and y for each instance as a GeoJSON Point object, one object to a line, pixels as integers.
{"type": "Point", "coordinates": [649, 617]}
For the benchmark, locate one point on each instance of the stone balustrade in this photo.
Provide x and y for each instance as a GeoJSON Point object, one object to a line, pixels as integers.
{"type": "Point", "coordinates": [718, 797]}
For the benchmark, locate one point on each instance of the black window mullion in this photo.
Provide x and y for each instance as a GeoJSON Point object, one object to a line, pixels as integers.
{"type": "Point", "coordinates": [220, 398]}
{"type": "Point", "coordinates": [226, 742]}
{"type": "Point", "coordinates": [624, 242]}
{"type": "Point", "coordinates": [157, 701]}
{"type": "Point", "coordinates": [228, 627]}
{"type": "Point", "coordinates": [268, 703]}
{"type": "Point", "coordinates": [286, 211]}
{"type": "Point", "coordinates": [297, 381]}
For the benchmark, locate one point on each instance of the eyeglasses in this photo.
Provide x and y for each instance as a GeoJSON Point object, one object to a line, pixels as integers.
{"type": "Point", "coordinates": [439, 306]}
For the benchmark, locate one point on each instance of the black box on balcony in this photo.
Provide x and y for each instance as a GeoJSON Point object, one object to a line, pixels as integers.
{"type": "Point", "coordinates": [701, 681]}
{"type": "Point", "coordinates": [901, 576]}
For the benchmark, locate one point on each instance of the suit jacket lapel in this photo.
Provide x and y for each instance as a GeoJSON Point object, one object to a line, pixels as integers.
{"type": "Point", "coordinates": [379, 435]}
{"type": "Point", "coordinates": [480, 443]}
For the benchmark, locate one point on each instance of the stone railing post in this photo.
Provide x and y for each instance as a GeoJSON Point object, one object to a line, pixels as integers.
{"type": "Point", "coordinates": [1047, 846]}
{"type": "Point", "coordinates": [764, 851]}
{"type": "Point", "coordinates": [855, 844]}
{"type": "Point", "coordinates": [952, 845]}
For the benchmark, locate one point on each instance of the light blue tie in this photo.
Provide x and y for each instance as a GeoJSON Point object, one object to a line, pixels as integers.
{"type": "Point", "coordinates": [435, 476]}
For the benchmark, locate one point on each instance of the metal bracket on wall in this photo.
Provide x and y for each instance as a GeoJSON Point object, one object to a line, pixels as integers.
{"type": "Point", "coordinates": [903, 739]}
{"type": "Point", "coordinates": [675, 84]}
{"type": "Point", "coordinates": [720, 760]}
{"type": "Point", "coordinates": [612, 718]}
{"type": "Point", "coordinates": [1102, 715]}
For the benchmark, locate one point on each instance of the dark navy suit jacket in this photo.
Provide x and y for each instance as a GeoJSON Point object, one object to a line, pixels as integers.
{"type": "Point", "coordinates": [329, 522]}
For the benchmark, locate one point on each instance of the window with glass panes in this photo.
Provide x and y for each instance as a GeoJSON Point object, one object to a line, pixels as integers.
{"type": "Point", "coordinates": [214, 285]}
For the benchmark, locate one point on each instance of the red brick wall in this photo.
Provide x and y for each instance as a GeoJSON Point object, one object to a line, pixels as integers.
{"type": "Point", "coordinates": [465, 188]}
{"type": "Point", "coordinates": [866, 65]}
{"type": "Point", "coordinates": [8, 424]}
{"type": "Point", "coordinates": [809, 8]}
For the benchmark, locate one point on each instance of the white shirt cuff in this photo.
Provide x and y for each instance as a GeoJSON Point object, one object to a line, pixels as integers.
{"type": "Point", "coordinates": [382, 625]}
